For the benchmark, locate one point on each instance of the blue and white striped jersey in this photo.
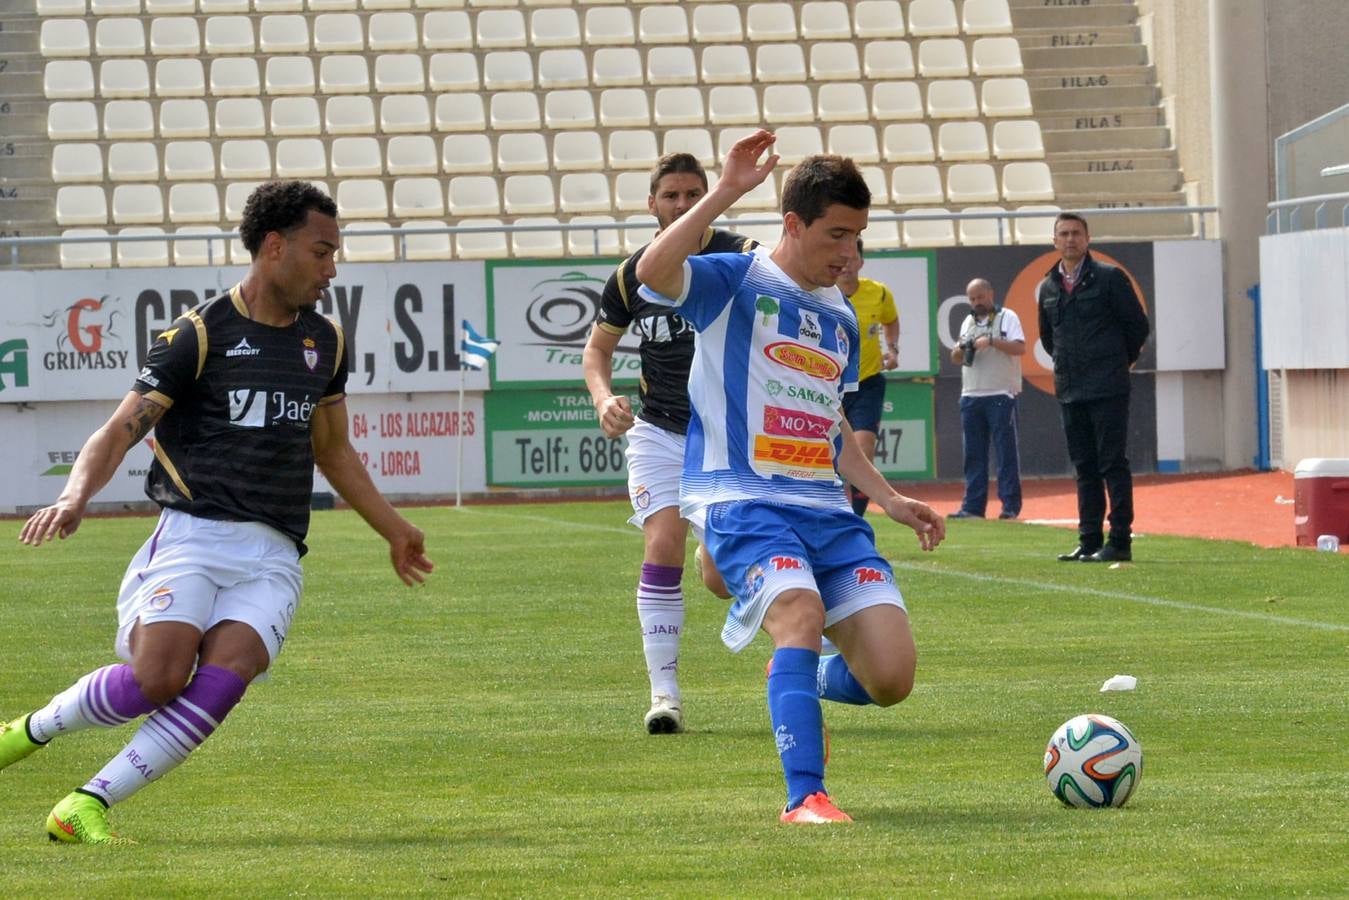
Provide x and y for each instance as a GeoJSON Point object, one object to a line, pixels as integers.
{"type": "Point", "coordinates": [770, 368]}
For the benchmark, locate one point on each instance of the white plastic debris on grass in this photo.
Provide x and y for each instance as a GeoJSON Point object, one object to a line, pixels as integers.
{"type": "Point", "coordinates": [1120, 683]}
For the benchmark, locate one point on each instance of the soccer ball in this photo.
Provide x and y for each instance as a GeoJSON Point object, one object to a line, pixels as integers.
{"type": "Point", "coordinates": [1092, 761]}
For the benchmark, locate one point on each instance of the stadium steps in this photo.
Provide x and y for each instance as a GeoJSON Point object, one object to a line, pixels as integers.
{"type": "Point", "coordinates": [1047, 15]}
{"type": "Point", "coordinates": [27, 199]}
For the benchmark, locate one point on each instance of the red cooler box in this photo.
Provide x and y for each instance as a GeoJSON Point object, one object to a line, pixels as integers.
{"type": "Point", "coordinates": [1321, 500]}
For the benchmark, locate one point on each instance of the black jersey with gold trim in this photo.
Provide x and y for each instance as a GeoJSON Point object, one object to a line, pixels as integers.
{"type": "Point", "coordinates": [235, 441]}
{"type": "Point", "coordinates": [666, 348]}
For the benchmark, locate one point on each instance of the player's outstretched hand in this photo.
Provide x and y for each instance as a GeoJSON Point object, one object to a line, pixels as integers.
{"type": "Point", "coordinates": [615, 415]}
{"type": "Point", "coordinates": [923, 519]}
{"type": "Point", "coordinates": [742, 169]}
{"type": "Point", "coordinates": [58, 520]}
{"type": "Point", "coordinates": [407, 552]}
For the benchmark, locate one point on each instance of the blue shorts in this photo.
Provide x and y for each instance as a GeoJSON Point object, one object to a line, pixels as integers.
{"type": "Point", "coordinates": [862, 407]}
{"type": "Point", "coordinates": [763, 549]}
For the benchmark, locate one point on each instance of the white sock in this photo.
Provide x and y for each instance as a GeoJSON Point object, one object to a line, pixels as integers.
{"type": "Point", "coordinates": [660, 609]}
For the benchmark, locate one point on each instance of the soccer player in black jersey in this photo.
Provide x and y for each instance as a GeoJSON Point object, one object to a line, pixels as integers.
{"type": "Point", "coordinates": [655, 434]}
{"type": "Point", "coordinates": [245, 395]}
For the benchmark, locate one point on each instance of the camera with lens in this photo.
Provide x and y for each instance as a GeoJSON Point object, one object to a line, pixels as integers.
{"type": "Point", "coordinates": [967, 345]}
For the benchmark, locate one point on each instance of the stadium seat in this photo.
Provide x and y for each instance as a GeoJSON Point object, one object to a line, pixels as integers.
{"type": "Point", "coordinates": [409, 154]}
{"type": "Point", "coordinates": [344, 74]}
{"type": "Point", "coordinates": [289, 75]}
{"type": "Point", "coordinates": [212, 7]}
{"type": "Point", "coordinates": [835, 61]}
{"type": "Point", "coordinates": [198, 252]}
{"type": "Point", "coordinates": [874, 19]}
{"type": "Point", "coordinates": [996, 56]}
{"type": "Point", "coordinates": [189, 161]}
{"type": "Point", "coordinates": [245, 159]}
{"type": "Point", "coordinates": [466, 154]}
{"type": "Point", "coordinates": [962, 141]}
{"type": "Point", "coordinates": [1005, 97]}
{"type": "Point", "coordinates": [541, 244]}
{"type": "Point", "coordinates": [624, 108]}
{"type": "Point", "coordinates": [239, 254]}
{"type": "Point", "coordinates": [114, 7]}
{"type": "Point", "coordinates": [876, 182]}
{"type": "Point", "coordinates": [86, 255]}
{"type": "Point", "coordinates": [882, 235]}
{"type": "Point", "coordinates": [1027, 181]}
{"type": "Point", "coordinates": [631, 190]}
{"type": "Point", "coordinates": [355, 156]}
{"type": "Point", "coordinates": [1038, 230]}
{"type": "Point", "coordinates": [507, 70]}
{"type": "Point", "coordinates": [787, 103]}
{"type": "Point", "coordinates": [235, 76]}
{"type": "Point", "coordinates": [301, 158]}
{"type": "Point", "coordinates": [733, 105]}
{"type": "Point", "coordinates": [779, 62]}
{"type": "Point", "coordinates": [474, 195]}
{"type": "Point", "coordinates": [446, 30]}
{"type": "Point", "coordinates": [133, 161]}
{"type": "Point", "coordinates": [983, 232]}
{"type": "Point", "coordinates": [137, 204]}
{"type": "Point", "coordinates": [522, 152]}
{"type": "Point", "coordinates": [460, 112]}
{"type": "Point", "coordinates": [563, 69]}
{"type": "Point", "coordinates": [679, 106]}
{"type": "Point", "coordinates": [843, 102]}
{"type": "Point", "coordinates": [632, 149]}
{"type": "Point", "coordinates": [175, 36]}
{"type": "Point", "coordinates": [717, 24]}
{"type": "Point", "coordinates": [696, 141]}
{"type": "Point", "coordinates": [856, 141]}
{"type": "Point", "coordinates": [119, 37]}
{"type": "Point", "coordinates": [560, 27]}
{"type": "Point", "coordinates": [583, 192]}
{"type": "Point", "coordinates": [596, 242]}
{"type": "Point", "coordinates": [568, 109]}
{"type": "Point", "coordinates": [528, 195]}
{"type": "Point", "coordinates": [453, 72]}
{"type": "Point", "coordinates": [72, 120]}
{"type": "Point", "coordinates": [362, 198]}
{"type": "Point", "coordinates": [360, 247]}
{"type": "Point", "coordinates": [609, 26]}
{"type": "Point", "coordinates": [239, 117]}
{"type": "Point", "coordinates": [888, 59]}
{"type": "Point", "coordinates": [128, 120]}
{"type": "Point", "coordinates": [480, 244]}
{"type": "Point", "coordinates": [295, 116]}
{"type": "Point", "coordinates": [499, 29]}
{"type": "Point", "coordinates": [892, 100]}
{"type": "Point", "coordinates": [515, 110]}
{"type": "Point", "coordinates": [400, 73]}
{"type": "Point", "coordinates": [229, 36]}
{"type": "Point", "coordinates": [405, 114]}
{"type": "Point", "coordinates": [616, 67]}
{"type": "Point", "coordinates": [283, 34]}
{"type": "Point", "coordinates": [986, 17]}
{"type": "Point", "coordinates": [47, 8]}
{"type": "Point", "coordinates": [418, 198]}
{"type": "Point", "coordinates": [796, 142]}
{"type": "Point", "coordinates": [170, 7]}
{"type": "Point", "coordinates": [762, 196]}
{"type": "Point", "coordinates": [727, 137]}
{"type": "Point", "coordinates": [825, 20]}
{"type": "Point", "coordinates": [929, 232]}
{"type": "Point", "coordinates": [68, 79]}
{"type": "Point", "coordinates": [915, 185]}
{"type": "Point", "coordinates": [770, 22]}
{"type": "Point", "coordinates": [952, 99]}
{"type": "Point", "coordinates": [338, 33]}
{"type": "Point", "coordinates": [671, 65]}
{"type": "Point", "coordinates": [1018, 139]}
{"type": "Point", "coordinates": [193, 203]}
{"type": "Point", "coordinates": [425, 246]}
{"type": "Point", "coordinates": [971, 183]}
{"type": "Point", "coordinates": [64, 37]}
{"type": "Point", "coordinates": [942, 58]}
{"type": "Point", "coordinates": [278, 6]}
{"type": "Point", "coordinates": [908, 142]}
{"type": "Point", "coordinates": [642, 230]}
{"type": "Point", "coordinates": [932, 18]}
{"type": "Point", "coordinates": [726, 64]}
{"type": "Point", "coordinates": [77, 163]}
{"type": "Point", "coordinates": [391, 31]}
{"type": "Point", "coordinates": [331, 5]}
{"type": "Point", "coordinates": [768, 233]}
{"type": "Point", "coordinates": [123, 78]}
{"type": "Point", "coordinates": [577, 151]}
{"type": "Point", "coordinates": [180, 78]}
{"type": "Point", "coordinates": [131, 254]}
{"type": "Point", "coordinates": [385, 4]}
{"type": "Point", "coordinates": [663, 25]}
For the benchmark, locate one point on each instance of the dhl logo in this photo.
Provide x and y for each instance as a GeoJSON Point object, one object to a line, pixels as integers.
{"type": "Point", "coordinates": [802, 359]}
{"type": "Point", "coordinates": [810, 454]}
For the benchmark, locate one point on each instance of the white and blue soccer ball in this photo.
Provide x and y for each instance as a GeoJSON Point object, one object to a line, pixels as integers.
{"type": "Point", "coordinates": [1093, 761]}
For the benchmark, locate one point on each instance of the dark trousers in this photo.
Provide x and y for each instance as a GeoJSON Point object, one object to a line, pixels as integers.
{"type": "Point", "coordinates": [983, 419]}
{"type": "Point", "coordinates": [1097, 431]}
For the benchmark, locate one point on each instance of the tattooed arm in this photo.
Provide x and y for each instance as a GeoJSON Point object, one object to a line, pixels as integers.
{"type": "Point", "coordinates": [94, 468]}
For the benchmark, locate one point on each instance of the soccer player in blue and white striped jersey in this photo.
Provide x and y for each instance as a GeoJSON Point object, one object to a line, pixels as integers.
{"type": "Point", "coordinates": [769, 449]}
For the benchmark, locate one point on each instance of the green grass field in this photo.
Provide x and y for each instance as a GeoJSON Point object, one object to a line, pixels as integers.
{"type": "Point", "coordinates": [481, 736]}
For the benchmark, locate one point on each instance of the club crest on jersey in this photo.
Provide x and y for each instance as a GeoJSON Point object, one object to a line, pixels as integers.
{"type": "Point", "coordinates": [841, 337]}
{"type": "Point", "coordinates": [809, 329]}
{"type": "Point", "coordinates": [311, 354]}
{"type": "Point", "coordinates": [641, 497]}
{"type": "Point", "coordinates": [803, 359]}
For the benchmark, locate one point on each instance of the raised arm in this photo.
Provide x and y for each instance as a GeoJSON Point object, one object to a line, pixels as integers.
{"type": "Point", "coordinates": [134, 418]}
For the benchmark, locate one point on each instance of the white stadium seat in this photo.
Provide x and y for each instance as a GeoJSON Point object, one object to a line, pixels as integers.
{"type": "Point", "coordinates": [942, 58]}
{"type": "Point", "coordinates": [356, 156]}
{"type": "Point", "coordinates": [1037, 230]}
{"type": "Point", "coordinates": [908, 142]}
{"type": "Point", "coordinates": [536, 244]}
{"type": "Point", "coordinates": [671, 65]}
{"type": "Point", "coordinates": [235, 76]}
{"type": "Point", "coordinates": [888, 59]}
{"type": "Point", "coordinates": [460, 112]}
{"type": "Point", "coordinates": [983, 232]}
{"type": "Point", "coordinates": [522, 152]}
{"type": "Point", "coordinates": [64, 37]}
{"type": "Point", "coordinates": [86, 255]}
{"type": "Point", "coordinates": [301, 158]}
{"type": "Point", "coordinates": [245, 159]}
{"type": "Point", "coordinates": [663, 25]}
{"type": "Point", "coordinates": [418, 198]}
{"type": "Point", "coordinates": [119, 37]}
{"type": "Point", "coordinates": [717, 24]}
{"type": "Point", "coordinates": [180, 77]}
{"type": "Point", "coordinates": [1018, 139]}
{"type": "Point", "coordinates": [695, 141]}
{"type": "Point", "coordinates": [72, 120]}
{"type": "Point", "coordinates": [480, 244]}
{"type": "Point", "coordinates": [124, 78]}
{"type": "Point", "coordinates": [882, 235]}
{"type": "Point", "coordinates": [524, 195]}
{"type": "Point", "coordinates": [767, 234]}
{"type": "Point", "coordinates": [137, 204]}
{"type": "Point", "coordinates": [229, 35]}
{"type": "Point", "coordinates": [405, 114]}
{"type": "Point", "coordinates": [986, 17]}
{"type": "Point", "coordinates": [568, 109]}
{"type": "Point", "coordinates": [726, 64]}
{"type": "Point", "coordinates": [559, 27]}
{"type": "Point", "coordinates": [425, 246]}
{"type": "Point", "coordinates": [114, 7]}
{"type": "Point", "coordinates": [958, 141]}
{"type": "Point", "coordinates": [295, 116]}
{"type": "Point", "coordinates": [624, 108]}
{"type": "Point", "coordinates": [128, 120]}
{"type": "Point", "coordinates": [632, 149]}
{"type": "Point", "coordinates": [952, 99]}
{"type": "Point", "coordinates": [453, 72]}
{"type": "Point", "coordinates": [825, 20]}
{"type": "Point", "coordinates": [133, 161]}
{"type": "Point", "coordinates": [733, 105]}
{"type": "Point", "coordinates": [634, 237]}
{"type": "Point", "coordinates": [609, 25]}
{"type": "Point", "coordinates": [932, 18]}
{"type": "Point", "coordinates": [563, 69]}
{"type": "Point", "coordinates": [239, 117]}
{"type": "Point", "coordinates": [770, 22]}
{"type": "Point", "coordinates": [914, 185]}
{"type": "Point", "coordinates": [75, 163]}
{"type": "Point", "coordinates": [474, 195]}
{"type": "Point", "coordinates": [349, 115]}
{"type": "Point", "coordinates": [142, 253]}
{"type": "Point", "coordinates": [360, 247]}
{"type": "Point", "coordinates": [446, 30]}
{"type": "Point", "coordinates": [1005, 97]}
{"type": "Point", "coordinates": [68, 79]}
{"type": "Point", "coordinates": [779, 62]}
{"type": "Point", "coordinates": [787, 103]}
{"type": "Point", "coordinates": [996, 56]}
{"type": "Point", "coordinates": [616, 67]}
{"type": "Point", "coordinates": [184, 119]}
{"type": "Point", "coordinates": [577, 151]}
{"type": "Point", "coordinates": [515, 110]}
{"type": "Point", "coordinates": [283, 34]}
{"type": "Point", "coordinates": [631, 190]}
{"type": "Point", "coordinates": [291, 75]}
{"type": "Point", "coordinates": [873, 19]}
{"type": "Point", "coordinates": [929, 232]}
{"type": "Point", "coordinates": [362, 198]}
{"type": "Point", "coordinates": [338, 33]}
{"type": "Point", "coordinates": [189, 161]}
{"type": "Point", "coordinates": [596, 242]}
{"type": "Point", "coordinates": [388, 31]}
{"type": "Point", "coordinates": [409, 154]}
{"type": "Point", "coordinates": [796, 142]}
{"type": "Point", "coordinates": [344, 74]}
{"type": "Point", "coordinates": [835, 61]}
{"type": "Point", "coordinates": [891, 100]}
{"type": "Point", "coordinates": [198, 252]}
{"type": "Point", "coordinates": [175, 36]}
{"type": "Point", "coordinates": [399, 73]}
{"type": "Point", "coordinates": [507, 70]}
{"type": "Point", "coordinates": [501, 28]}
{"type": "Point", "coordinates": [81, 205]}
{"type": "Point", "coordinates": [62, 7]}
{"type": "Point", "coordinates": [676, 106]}
{"type": "Point", "coordinates": [971, 183]}
{"type": "Point", "coordinates": [843, 102]}
{"type": "Point", "coordinates": [856, 141]}
{"type": "Point", "coordinates": [880, 189]}
{"type": "Point", "coordinates": [583, 192]}
{"type": "Point", "coordinates": [1027, 181]}
{"type": "Point", "coordinates": [466, 154]}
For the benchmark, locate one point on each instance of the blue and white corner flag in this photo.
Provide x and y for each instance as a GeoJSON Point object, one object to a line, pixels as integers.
{"type": "Point", "coordinates": [474, 349]}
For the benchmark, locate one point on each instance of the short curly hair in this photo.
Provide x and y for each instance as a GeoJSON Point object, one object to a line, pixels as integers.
{"type": "Point", "coordinates": [280, 206]}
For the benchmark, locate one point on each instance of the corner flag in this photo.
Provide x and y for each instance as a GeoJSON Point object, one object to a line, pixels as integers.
{"type": "Point", "coordinates": [474, 349]}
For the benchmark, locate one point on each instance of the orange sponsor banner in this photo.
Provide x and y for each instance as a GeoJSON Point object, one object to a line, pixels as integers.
{"type": "Point", "coordinates": [803, 359]}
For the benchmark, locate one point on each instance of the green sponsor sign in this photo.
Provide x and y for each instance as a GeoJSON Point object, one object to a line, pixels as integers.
{"type": "Point", "coordinates": [904, 441]}
{"type": "Point", "coordinates": [549, 439]}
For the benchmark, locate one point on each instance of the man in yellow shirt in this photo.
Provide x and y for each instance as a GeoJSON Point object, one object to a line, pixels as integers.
{"type": "Point", "coordinates": [876, 316]}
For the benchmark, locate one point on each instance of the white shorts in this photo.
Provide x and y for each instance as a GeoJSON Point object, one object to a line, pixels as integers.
{"type": "Point", "coordinates": [655, 460]}
{"type": "Point", "coordinates": [204, 572]}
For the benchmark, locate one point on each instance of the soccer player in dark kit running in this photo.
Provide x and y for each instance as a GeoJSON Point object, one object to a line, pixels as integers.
{"type": "Point", "coordinates": [245, 395]}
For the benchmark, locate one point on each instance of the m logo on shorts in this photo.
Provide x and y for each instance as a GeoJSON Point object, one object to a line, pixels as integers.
{"type": "Point", "coordinates": [782, 563]}
{"type": "Point", "coordinates": [868, 575]}
{"type": "Point", "coordinates": [248, 408]}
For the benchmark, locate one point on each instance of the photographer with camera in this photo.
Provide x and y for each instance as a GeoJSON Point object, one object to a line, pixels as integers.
{"type": "Point", "coordinates": [989, 352]}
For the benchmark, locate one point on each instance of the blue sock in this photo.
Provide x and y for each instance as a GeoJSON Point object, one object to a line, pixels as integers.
{"type": "Point", "coordinates": [798, 724]}
{"type": "Point", "coordinates": [836, 682]}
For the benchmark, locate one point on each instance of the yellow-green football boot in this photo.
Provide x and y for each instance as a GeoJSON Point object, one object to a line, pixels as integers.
{"type": "Point", "coordinates": [15, 743]}
{"type": "Point", "coordinates": [82, 819]}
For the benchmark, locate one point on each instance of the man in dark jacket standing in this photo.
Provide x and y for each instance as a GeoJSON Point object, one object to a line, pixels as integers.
{"type": "Point", "coordinates": [1093, 325]}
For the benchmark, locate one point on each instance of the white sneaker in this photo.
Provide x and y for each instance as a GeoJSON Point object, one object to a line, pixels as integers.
{"type": "Point", "coordinates": [665, 716]}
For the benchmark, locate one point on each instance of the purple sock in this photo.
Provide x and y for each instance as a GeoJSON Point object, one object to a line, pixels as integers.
{"type": "Point", "coordinates": [105, 698]}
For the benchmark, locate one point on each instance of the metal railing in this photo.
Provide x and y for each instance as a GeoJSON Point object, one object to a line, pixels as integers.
{"type": "Point", "coordinates": [1278, 224]}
